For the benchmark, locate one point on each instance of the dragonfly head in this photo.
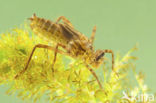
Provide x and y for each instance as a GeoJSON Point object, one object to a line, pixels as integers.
{"type": "Point", "coordinates": [97, 58]}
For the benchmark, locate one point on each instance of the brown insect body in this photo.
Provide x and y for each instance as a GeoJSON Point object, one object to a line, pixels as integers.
{"type": "Point", "coordinates": [78, 45]}
{"type": "Point", "coordinates": [74, 43]}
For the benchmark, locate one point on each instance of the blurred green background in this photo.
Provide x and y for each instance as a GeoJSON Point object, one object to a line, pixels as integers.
{"type": "Point", "coordinates": [120, 25]}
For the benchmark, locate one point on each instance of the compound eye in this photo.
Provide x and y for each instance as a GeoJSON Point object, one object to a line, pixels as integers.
{"type": "Point", "coordinates": [100, 56]}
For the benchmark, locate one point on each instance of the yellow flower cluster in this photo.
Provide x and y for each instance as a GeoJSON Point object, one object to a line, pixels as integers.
{"type": "Point", "coordinates": [72, 82]}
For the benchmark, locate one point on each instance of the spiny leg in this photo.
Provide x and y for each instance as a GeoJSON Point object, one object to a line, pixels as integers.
{"type": "Point", "coordinates": [93, 35]}
{"type": "Point", "coordinates": [110, 51]}
{"type": "Point", "coordinates": [55, 55]}
{"type": "Point", "coordinates": [94, 74]}
{"type": "Point", "coordinates": [38, 46]}
{"type": "Point", "coordinates": [65, 20]}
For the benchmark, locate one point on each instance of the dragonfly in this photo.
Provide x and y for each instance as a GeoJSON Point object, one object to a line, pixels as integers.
{"type": "Point", "coordinates": [68, 41]}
